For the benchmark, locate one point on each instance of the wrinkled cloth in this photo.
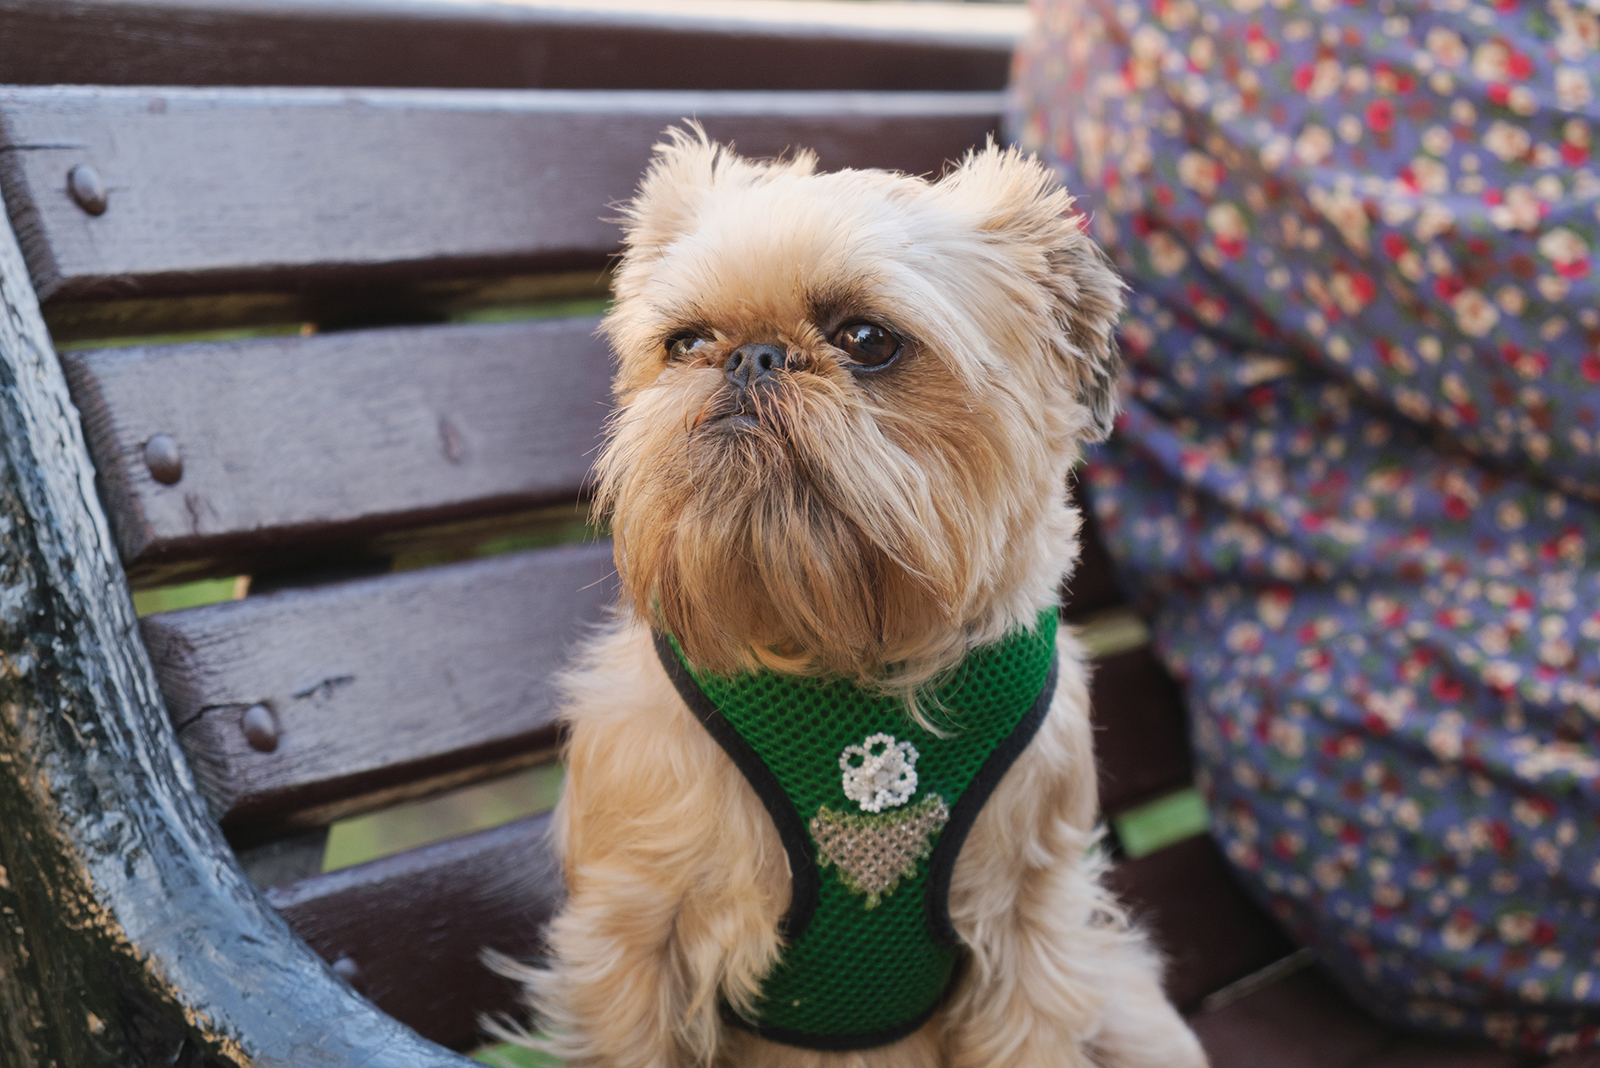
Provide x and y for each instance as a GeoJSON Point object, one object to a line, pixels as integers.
{"type": "Point", "coordinates": [1357, 480]}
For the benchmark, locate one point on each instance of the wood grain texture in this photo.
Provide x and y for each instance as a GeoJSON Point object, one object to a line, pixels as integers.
{"type": "Point", "coordinates": [375, 683]}
{"type": "Point", "coordinates": [735, 44]}
{"type": "Point", "coordinates": [1302, 1022]}
{"type": "Point", "coordinates": [215, 190]}
{"type": "Point", "coordinates": [130, 937]}
{"type": "Point", "coordinates": [1141, 736]}
{"type": "Point", "coordinates": [495, 889]}
{"type": "Point", "coordinates": [289, 441]}
{"type": "Point", "coordinates": [1211, 932]}
{"type": "Point", "coordinates": [1306, 1021]}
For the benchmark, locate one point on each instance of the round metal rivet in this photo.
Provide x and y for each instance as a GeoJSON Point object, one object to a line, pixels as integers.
{"type": "Point", "coordinates": [162, 457]}
{"type": "Point", "coordinates": [260, 728]}
{"type": "Point", "coordinates": [87, 188]}
{"type": "Point", "coordinates": [349, 971]}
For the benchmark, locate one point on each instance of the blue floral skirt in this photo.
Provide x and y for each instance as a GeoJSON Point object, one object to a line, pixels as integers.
{"type": "Point", "coordinates": [1357, 480]}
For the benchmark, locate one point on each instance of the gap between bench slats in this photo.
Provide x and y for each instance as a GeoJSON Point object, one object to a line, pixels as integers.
{"type": "Point", "coordinates": [292, 441]}
{"type": "Point", "coordinates": [214, 190]}
{"type": "Point", "coordinates": [739, 44]}
{"type": "Point", "coordinates": [380, 688]}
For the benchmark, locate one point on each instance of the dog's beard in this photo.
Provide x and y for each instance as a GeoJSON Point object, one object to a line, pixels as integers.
{"type": "Point", "coordinates": [803, 530]}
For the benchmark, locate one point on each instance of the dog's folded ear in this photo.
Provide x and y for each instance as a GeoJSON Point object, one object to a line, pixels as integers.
{"type": "Point", "coordinates": [686, 169]}
{"type": "Point", "coordinates": [1018, 198]}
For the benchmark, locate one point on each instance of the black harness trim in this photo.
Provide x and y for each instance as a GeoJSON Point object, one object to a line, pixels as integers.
{"type": "Point", "coordinates": [806, 882]}
{"type": "Point", "coordinates": [943, 863]}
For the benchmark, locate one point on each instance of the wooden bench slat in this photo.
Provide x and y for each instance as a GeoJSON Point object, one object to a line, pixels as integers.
{"type": "Point", "coordinates": [1589, 1058]}
{"type": "Point", "coordinates": [1141, 736]}
{"type": "Point", "coordinates": [1445, 1053]}
{"type": "Point", "coordinates": [429, 677]}
{"type": "Point", "coordinates": [215, 190]}
{"type": "Point", "coordinates": [1306, 1021]}
{"type": "Point", "coordinates": [737, 44]}
{"type": "Point", "coordinates": [415, 923]}
{"type": "Point", "coordinates": [1302, 1022]}
{"type": "Point", "coordinates": [1210, 930]}
{"type": "Point", "coordinates": [290, 440]}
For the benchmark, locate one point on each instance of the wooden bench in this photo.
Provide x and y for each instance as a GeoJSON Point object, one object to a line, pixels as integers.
{"type": "Point", "coordinates": [168, 783]}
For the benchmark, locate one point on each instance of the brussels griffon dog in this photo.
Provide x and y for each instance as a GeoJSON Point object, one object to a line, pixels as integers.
{"type": "Point", "coordinates": [830, 795]}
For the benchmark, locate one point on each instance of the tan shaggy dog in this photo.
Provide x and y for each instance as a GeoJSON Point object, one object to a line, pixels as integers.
{"type": "Point", "coordinates": [893, 495]}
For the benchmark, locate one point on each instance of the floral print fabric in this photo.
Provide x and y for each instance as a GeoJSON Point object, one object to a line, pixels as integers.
{"type": "Point", "coordinates": [1358, 476]}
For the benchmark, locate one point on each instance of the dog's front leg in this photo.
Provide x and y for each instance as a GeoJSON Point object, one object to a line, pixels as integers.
{"type": "Point", "coordinates": [1056, 976]}
{"type": "Point", "coordinates": [676, 877]}
{"type": "Point", "coordinates": [647, 940]}
{"type": "Point", "coordinates": [609, 996]}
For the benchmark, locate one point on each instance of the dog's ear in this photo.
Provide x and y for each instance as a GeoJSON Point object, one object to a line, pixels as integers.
{"type": "Point", "coordinates": [1017, 199]}
{"type": "Point", "coordinates": [686, 169]}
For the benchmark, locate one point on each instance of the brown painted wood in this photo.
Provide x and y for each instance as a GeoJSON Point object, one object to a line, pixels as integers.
{"type": "Point", "coordinates": [1586, 1059]}
{"type": "Point", "coordinates": [1302, 1022]}
{"type": "Point", "coordinates": [1141, 735]}
{"type": "Point", "coordinates": [290, 441]}
{"type": "Point", "coordinates": [216, 190]}
{"type": "Point", "coordinates": [1211, 932]}
{"type": "Point", "coordinates": [1306, 1021]}
{"type": "Point", "coordinates": [129, 937]}
{"type": "Point", "coordinates": [1415, 1052]}
{"type": "Point", "coordinates": [411, 926]}
{"type": "Point", "coordinates": [503, 46]}
{"type": "Point", "coordinates": [439, 676]}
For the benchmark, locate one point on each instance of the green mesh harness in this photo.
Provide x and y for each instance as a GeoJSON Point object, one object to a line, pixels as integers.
{"type": "Point", "coordinates": [872, 811]}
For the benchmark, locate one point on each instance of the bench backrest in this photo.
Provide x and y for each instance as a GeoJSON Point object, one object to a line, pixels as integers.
{"type": "Point", "coordinates": [362, 227]}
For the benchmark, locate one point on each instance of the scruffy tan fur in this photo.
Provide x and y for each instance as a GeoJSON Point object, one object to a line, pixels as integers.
{"type": "Point", "coordinates": [875, 525]}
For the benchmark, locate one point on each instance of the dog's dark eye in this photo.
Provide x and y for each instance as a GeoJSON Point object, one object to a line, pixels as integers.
{"type": "Point", "coordinates": [867, 344]}
{"type": "Point", "coordinates": [685, 346]}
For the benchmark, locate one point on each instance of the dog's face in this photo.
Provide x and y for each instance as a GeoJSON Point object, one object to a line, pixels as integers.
{"type": "Point", "coordinates": [847, 406]}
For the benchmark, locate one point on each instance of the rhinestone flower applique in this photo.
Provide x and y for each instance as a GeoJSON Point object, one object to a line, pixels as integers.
{"type": "Point", "coordinates": [875, 853]}
{"type": "Point", "coordinates": [880, 772]}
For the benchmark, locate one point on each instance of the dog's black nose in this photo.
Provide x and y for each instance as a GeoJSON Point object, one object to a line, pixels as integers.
{"type": "Point", "coordinates": [750, 364]}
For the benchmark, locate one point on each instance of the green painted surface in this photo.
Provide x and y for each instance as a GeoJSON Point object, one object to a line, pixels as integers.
{"type": "Point", "coordinates": [1110, 633]}
{"type": "Point", "coordinates": [508, 1056]}
{"type": "Point", "coordinates": [565, 526]}
{"type": "Point", "coordinates": [1165, 821]}
{"type": "Point", "coordinates": [449, 815]}
{"type": "Point", "coordinates": [230, 334]}
{"type": "Point", "coordinates": [189, 595]}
